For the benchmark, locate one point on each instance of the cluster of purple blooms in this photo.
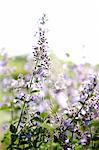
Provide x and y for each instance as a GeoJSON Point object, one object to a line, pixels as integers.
{"type": "Point", "coordinates": [45, 110]}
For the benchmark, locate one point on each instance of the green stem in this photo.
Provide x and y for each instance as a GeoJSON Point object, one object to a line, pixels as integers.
{"type": "Point", "coordinates": [91, 135]}
{"type": "Point", "coordinates": [12, 112]}
{"type": "Point", "coordinates": [21, 115]}
{"type": "Point", "coordinates": [76, 114]}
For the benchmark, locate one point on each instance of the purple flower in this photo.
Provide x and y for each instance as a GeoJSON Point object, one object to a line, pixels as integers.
{"type": "Point", "coordinates": [28, 136]}
{"type": "Point", "coordinates": [2, 63]}
{"type": "Point", "coordinates": [86, 122]}
{"type": "Point", "coordinates": [88, 88]}
{"type": "Point", "coordinates": [1, 104]}
{"type": "Point", "coordinates": [20, 96]}
{"type": "Point", "coordinates": [83, 141]}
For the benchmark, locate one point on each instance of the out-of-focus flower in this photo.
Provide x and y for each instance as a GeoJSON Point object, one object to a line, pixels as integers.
{"type": "Point", "coordinates": [61, 99]}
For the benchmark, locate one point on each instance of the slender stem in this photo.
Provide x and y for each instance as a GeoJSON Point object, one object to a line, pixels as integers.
{"type": "Point", "coordinates": [91, 135]}
{"type": "Point", "coordinates": [12, 112]}
{"type": "Point", "coordinates": [21, 115]}
{"type": "Point", "coordinates": [76, 114]}
{"type": "Point", "coordinates": [72, 136]}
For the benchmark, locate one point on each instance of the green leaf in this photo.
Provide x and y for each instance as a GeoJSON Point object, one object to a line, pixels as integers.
{"type": "Point", "coordinates": [13, 137]}
{"type": "Point", "coordinates": [13, 129]}
{"type": "Point", "coordinates": [23, 142]}
{"type": "Point", "coordinates": [44, 115]}
{"type": "Point", "coordinates": [55, 108]}
{"type": "Point", "coordinates": [6, 138]}
{"type": "Point", "coordinates": [94, 123]}
{"type": "Point", "coordinates": [96, 137]}
{"type": "Point", "coordinates": [35, 91]}
{"type": "Point", "coordinates": [37, 119]}
{"type": "Point", "coordinates": [48, 126]}
{"type": "Point", "coordinates": [5, 107]}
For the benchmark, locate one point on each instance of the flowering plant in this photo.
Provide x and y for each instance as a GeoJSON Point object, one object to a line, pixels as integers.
{"type": "Point", "coordinates": [39, 120]}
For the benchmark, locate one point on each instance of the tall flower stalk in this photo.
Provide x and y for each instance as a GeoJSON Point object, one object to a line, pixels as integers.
{"type": "Point", "coordinates": [28, 91]}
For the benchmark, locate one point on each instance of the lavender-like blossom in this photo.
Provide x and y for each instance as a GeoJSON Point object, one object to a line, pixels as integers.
{"type": "Point", "coordinates": [88, 88]}
{"type": "Point", "coordinates": [40, 51]}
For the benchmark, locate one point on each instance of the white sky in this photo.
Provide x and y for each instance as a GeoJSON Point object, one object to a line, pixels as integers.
{"type": "Point", "coordinates": [73, 25]}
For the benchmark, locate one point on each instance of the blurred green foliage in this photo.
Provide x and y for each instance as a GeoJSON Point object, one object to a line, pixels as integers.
{"type": "Point", "coordinates": [18, 62]}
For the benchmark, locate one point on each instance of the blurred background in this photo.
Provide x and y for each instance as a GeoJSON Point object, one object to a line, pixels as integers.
{"type": "Point", "coordinates": [73, 27]}
{"type": "Point", "coordinates": [73, 34]}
